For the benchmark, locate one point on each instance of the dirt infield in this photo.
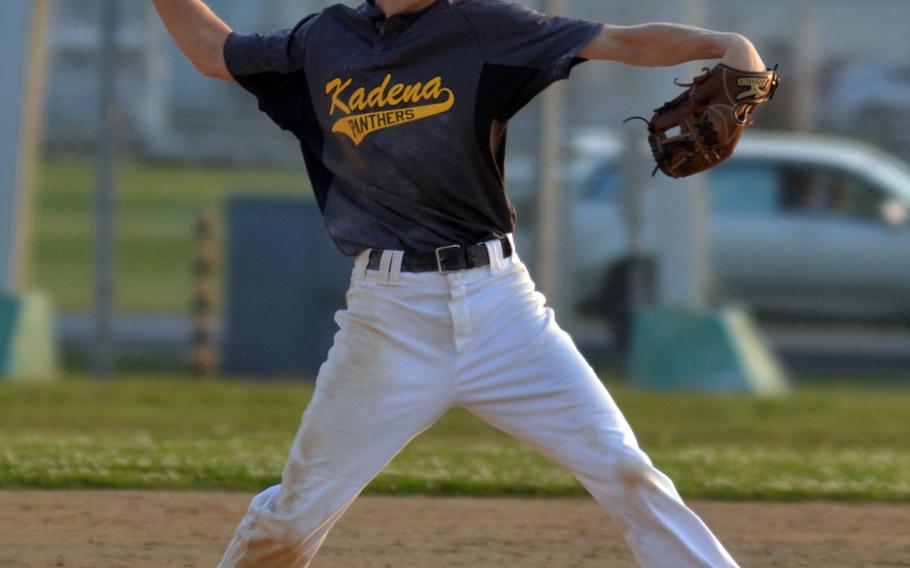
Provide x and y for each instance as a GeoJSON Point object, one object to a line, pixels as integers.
{"type": "Point", "coordinates": [150, 529]}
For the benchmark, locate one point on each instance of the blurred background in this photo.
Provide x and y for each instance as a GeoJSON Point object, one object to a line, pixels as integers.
{"type": "Point", "coordinates": [162, 258]}
{"type": "Point", "coordinates": [206, 264]}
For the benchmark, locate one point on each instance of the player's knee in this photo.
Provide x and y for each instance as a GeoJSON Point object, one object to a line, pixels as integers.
{"type": "Point", "coordinates": [612, 457]}
{"type": "Point", "coordinates": [631, 467]}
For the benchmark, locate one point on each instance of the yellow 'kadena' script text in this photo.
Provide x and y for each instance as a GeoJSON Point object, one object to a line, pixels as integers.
{"type": "Point", "coordinates": [365, 109]}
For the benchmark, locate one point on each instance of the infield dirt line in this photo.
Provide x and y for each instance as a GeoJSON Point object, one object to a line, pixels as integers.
{"type": "Point", "coordinates": [136, 529]}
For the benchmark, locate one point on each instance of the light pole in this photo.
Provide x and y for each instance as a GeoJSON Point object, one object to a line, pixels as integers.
{"type": "Point", "coordinates": [22, 63]}
{"type": "Point", "coordinates": [105, 173]}
{"type": "Point", "coordinates": [551, 202]}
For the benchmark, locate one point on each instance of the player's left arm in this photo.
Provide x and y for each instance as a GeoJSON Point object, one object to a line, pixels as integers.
{"type": "Point", "coordinates": [663, 45]}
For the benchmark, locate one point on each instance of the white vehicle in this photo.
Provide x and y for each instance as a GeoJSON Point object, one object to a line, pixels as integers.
{"type": "Point", "coordinates": [801, 227]}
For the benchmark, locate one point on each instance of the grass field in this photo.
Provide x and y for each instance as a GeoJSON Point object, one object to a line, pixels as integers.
{"type": "Point", "coordinates": [156, 208]}
{"type": "Point", "coordinates": [839, 443]}
{"type": "Point", "coordinates": [836, 443]}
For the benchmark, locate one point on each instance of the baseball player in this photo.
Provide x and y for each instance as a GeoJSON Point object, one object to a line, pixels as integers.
{"type": "Point", "coordinates": [400, 108]}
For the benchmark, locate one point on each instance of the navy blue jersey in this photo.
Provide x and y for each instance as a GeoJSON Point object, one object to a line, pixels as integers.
{"type": "Point", "coordinates": [402, 120]}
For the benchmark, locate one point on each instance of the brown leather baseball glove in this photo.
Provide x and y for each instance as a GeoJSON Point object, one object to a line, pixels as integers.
{"type": "Point", "coordinates": [711, 115]}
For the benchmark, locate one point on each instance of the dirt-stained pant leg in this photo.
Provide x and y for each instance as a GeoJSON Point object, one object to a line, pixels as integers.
{"type": "Point", "coordinates": [387, 378]}
{"type": "Point", "coordinates": [410, 346]}
{"type": "Point", "coordinates": [524, 375]}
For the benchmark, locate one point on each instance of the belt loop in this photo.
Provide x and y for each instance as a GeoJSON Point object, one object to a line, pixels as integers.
{"type": "Point", "coordinates": [494, 249]}
{"type": "Point", "coordinates": [390, 267]}
{"type": "Point", "coordinates": [360, 265]}
{"type": "Point", "coordinates": [513, 258]}
{"type": "Point", "coordinates": [394, 277]}
{"type": "Point", "coordinates": [385, 261]}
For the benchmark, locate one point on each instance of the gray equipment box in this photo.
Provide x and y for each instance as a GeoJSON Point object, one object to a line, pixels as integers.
{"type": "Point", "coordinates": [285, 280]}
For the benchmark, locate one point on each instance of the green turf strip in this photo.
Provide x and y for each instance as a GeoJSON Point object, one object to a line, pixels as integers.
{"type": "Point", "coordinates": [843, 444]}
{"type": "Point", "coordinates": [157, 205]}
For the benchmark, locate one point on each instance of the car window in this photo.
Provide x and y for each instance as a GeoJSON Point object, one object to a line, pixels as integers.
{"type": "Point", "coordinates": [766, 188]}
{"type": "Point", "coordinates": [829, 192]}
{"type": "Point", "coordinates": [745, 188]}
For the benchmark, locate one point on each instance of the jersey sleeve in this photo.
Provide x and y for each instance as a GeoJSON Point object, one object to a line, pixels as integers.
{"type": "Point", "coordinates": [272, 67]}
{"type": "Point", "coordinates": [542, 49]}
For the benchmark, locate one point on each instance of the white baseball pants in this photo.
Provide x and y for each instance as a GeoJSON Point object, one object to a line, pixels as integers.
{"type": "Point", "coordinates": [413, 345]}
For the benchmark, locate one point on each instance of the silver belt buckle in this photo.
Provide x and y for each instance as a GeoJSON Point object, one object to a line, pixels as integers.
{"type": "Point", "coordinates": [439, 258]}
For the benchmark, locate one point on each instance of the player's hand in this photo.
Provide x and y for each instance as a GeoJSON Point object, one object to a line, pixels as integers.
{"type": "Point", "coordinates": [739, 53]}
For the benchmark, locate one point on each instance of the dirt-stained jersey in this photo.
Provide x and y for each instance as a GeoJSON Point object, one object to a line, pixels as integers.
{"type": "Point", "coordinates": [402, 120]}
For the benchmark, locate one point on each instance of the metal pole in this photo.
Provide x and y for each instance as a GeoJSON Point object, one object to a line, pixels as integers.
{"type": "Point", "coordinates": [103, 348]}
{"type": "Point", "coordinates": [22, 60]}
{"type": "Point", "coordinates": [205, 356]}
{"type": "Point", "coordinates": [698, 202]}
{"type": "Point", "coordinates": [806, 60]}
{"type": "Point", "coordinates": [684, 273]}
{"type": "Point", "coordinates": [633, 172]}
{"type": "Point", "coordinates": [31, 133]}
{"type": "Point", "coordinates": [552, 208]}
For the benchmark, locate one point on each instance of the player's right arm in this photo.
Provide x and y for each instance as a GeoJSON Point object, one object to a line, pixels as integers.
{"type": "Point", "coordinates": [198, 32]}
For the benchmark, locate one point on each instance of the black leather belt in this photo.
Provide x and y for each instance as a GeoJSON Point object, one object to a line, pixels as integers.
{"type": "Point", "coordinates": [444, 259]}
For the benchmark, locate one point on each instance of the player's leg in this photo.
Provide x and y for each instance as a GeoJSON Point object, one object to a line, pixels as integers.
{"type": "Point", "coordinates": [383, 383]}
{"type": "Point", "coordinates": [524, 375]}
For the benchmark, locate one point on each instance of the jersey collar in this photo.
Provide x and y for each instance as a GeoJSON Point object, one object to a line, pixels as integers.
{"type": "Point", "coordinates": [392, 26]}
{"type": "Point", "coordinates": [373, 12]}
